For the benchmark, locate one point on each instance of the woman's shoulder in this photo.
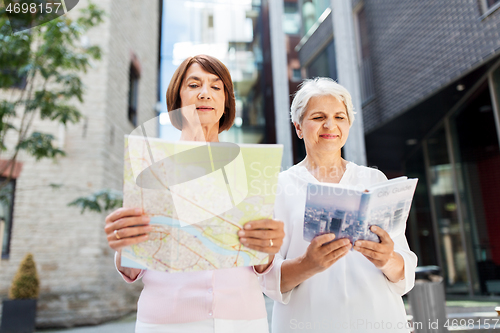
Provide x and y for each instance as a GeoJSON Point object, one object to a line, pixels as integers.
{"type": "Point", "coordinates": [294, 172]}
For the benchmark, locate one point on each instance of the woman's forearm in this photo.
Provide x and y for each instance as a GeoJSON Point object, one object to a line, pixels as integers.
{"type": "Point", "coordinates": [131, 273]}
{"type": "Point", "coordinates": [394, 270]}
{"type": "Point", "coordinates": [294, 272]}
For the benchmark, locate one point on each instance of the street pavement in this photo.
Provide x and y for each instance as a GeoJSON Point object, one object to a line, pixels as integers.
{"type": "Point", "coordinates": [127, 324]}
{"type": "Point", "coordinates": [456, 309]}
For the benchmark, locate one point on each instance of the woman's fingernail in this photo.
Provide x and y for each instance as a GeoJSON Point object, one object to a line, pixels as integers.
{"type": "Point", "coordinates": [243, 240]}
{"type": "Point", "coordinates": [138, 210]}
{"type": "Point", "coordinates": [145, 218]}
{"type": "Point", "coordinates": [241, 233]}
{"type": "Point", "coordinates": [247, 226]}
{"type": "Point", "coordinates": [374, 228]}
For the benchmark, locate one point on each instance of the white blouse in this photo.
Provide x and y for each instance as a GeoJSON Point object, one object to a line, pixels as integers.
{"type": "Point", "coordinates": [350, 296]}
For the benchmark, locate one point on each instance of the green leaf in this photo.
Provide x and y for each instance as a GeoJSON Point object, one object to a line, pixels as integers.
{"type": "Point", "coordinates": [40, 146]}
{"type": "Point", "coordinates": [52, 55]}
{"type": "Point", "coordinates": [102, 200]}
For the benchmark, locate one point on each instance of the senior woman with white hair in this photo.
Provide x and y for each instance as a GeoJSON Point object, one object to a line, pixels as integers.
{"type": "Point", "coordinates": [322, 286]}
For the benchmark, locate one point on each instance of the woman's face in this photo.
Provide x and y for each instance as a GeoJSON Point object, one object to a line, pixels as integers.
{"type": "Point", "coordinates": [205, 92]}
{"type": "Point", "coordinates": [325, 125]}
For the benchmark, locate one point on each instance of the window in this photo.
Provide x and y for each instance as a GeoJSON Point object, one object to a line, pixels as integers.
{"type": "Point", "coordinates": [488, 6]}
{"type": "Point", "coordinates": [6, 210]}
{"type": "Point", "coordinates": [324, 64]}
{"type": "Point", "coordinates": [490, 3]}
{"type": "Point", "coordinates": [311, 12]}
{"type": "Point", "coordinates": [364, 57]}
{"type": "Point", "coordinates": [296, 74]}
{"type": "Point", "coordinates": [291, 18]}
{"type": "Point", "coordinates": [133, 90]}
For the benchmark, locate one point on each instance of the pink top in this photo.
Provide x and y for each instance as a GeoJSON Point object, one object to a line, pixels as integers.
{"type": "Point", "coordinates": [171, 298]}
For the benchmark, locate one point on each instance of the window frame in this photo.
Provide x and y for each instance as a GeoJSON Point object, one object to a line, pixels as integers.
{"type": "Point", "coordinates": [366, 97]}
{"type": "Point", "coordinates": [486, 9]}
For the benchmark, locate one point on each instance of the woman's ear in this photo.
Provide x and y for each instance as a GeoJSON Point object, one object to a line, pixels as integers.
{"type": "Point", "coordinates": [298, 130]}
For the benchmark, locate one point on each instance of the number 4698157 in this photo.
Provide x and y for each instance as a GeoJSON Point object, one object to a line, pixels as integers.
{"type": "Point", "coordinates": [471, 323]}
{"type": "Point", "coordinates": [33, 8]}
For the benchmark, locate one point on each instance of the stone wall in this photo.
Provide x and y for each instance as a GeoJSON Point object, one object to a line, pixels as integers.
{"type": "Point", "coordinates": [79, 284]}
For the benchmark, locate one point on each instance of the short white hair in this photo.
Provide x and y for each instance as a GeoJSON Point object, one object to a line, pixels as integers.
{"type": "Point", "coordinates": [319, 86]}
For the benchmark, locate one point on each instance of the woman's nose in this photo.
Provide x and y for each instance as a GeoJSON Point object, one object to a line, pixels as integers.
{"type": "Point", "coordinates": [328, 123]}
{"type": "Point", "coordinates": [204, 93]}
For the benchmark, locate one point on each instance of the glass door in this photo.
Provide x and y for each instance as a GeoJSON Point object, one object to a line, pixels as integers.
{"type": "Point", "coordinates": [477, 163]}
{"type": "Point", "coordinates": [441, 185]}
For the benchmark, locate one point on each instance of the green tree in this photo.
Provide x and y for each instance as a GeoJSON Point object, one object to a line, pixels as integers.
{"type": "Point", "coordinates": [40, 72]}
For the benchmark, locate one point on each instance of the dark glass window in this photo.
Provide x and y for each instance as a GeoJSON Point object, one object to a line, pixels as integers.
{"type": "Point", "coordinates": [487, 5]}
{"type": "Point", "coordinates": [491, 3]}
{"type": "Point", "coordinates": [133, 92]}
{"type": "Point", "coordinates": [478, 168]}
{"type": "Point", "coordinates": [324, 64]}
{"type": "Point", "coordinates": [365, 67]}
{"type": "Point", "coordinates": [291, 18]}
{"type": "Point", "coordinates": [6, 210]}
{"type": "Point", "coordinates": [296, 74]}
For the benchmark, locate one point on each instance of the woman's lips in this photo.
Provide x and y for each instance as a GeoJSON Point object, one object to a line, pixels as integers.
{"type": "Point", "coordinates": [204, 108]}
{"type": "Point", "coordinates": [329, 136]}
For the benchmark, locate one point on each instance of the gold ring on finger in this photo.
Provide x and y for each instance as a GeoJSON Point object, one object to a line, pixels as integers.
{"type": "Point", "coordinates": [116, 234]}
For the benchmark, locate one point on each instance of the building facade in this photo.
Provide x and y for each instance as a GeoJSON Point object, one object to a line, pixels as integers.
{"type": "Point", "coordinates": [79, 283]}
{"type": "Point", "coordinates": [429, 76]}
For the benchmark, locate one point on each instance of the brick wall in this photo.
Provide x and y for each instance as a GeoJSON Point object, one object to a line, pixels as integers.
{"type": "Point", "coordinates": [420, 46]}
{"type": "Point", "coordinates": [79, 284]}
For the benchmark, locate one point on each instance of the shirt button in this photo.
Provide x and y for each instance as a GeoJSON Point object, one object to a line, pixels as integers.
{"type": "Point", "coordinates": [210, 314]}
{"type": "Point", "coordinates": [210, 291]}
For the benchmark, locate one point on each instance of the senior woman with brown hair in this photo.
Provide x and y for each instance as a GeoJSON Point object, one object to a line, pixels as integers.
{"type": "Point", "coordinates": [221, 301]}
{"type": "Point", "coordinates": [323, 286]}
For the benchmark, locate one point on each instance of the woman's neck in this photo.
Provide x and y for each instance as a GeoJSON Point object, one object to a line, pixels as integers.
{"type": "Point", "coordinates": [325, 168]}
{"type": "Point", "coordinates": [201, 133]}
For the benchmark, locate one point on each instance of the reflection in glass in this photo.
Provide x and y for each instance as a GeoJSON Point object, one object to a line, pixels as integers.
{"type": "Point", "coordinates": [442, 192]}
{"type": "Point", "coordinates": [311, 11]}
{"type": "Point", "coordinates": [231, 32]}
{"type": "Point", "coordinates": [419, 230]}
{"type": "Point", "coordinates": [478, 166]}
{"type": "Point", "coordinates": [291, 18]}
{"type": "Point", "coordinates": [324, 64]}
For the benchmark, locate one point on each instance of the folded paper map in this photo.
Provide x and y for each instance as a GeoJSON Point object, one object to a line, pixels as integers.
{"type": "Point", "coordinates": [198, 196]}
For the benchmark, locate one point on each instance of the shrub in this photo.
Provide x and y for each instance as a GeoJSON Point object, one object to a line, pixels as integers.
{"type": "Point", "coordinates": [25, 284]}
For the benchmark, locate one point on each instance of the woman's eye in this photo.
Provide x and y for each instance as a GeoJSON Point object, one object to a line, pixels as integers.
{"type": "Point", "coordinates": [216, 88]}
{"type": "Point", "coordinates": [193, 85]}
{"type": "Point", "coordinates": [340, 118]}
{"type": "Point", "coordinates": [317, 118]}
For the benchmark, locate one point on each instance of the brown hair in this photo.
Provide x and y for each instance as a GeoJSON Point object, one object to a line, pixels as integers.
{"type": "Point", "coordinates": [212, 66]}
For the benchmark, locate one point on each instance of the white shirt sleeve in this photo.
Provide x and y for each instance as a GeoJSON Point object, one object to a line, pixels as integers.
{"type": "Point", "coordinates": [410, 263]}
{"type": "Point", "coordinates": [126, 278]}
